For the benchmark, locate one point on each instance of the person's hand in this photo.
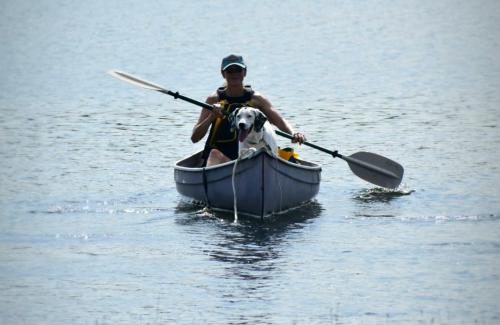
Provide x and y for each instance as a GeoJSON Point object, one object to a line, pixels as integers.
{"type": "Point", "coordinates": [298, 137]}
{"type": "Point", "coordinates": [217, 111]}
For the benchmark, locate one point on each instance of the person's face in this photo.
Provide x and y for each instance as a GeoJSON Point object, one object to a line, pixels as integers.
{"type": "Point", "coordinates": [234, 74]}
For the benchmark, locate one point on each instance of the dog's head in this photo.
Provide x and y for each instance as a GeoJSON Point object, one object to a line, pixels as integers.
{"type": "Point", "coordinates": [246, 119]}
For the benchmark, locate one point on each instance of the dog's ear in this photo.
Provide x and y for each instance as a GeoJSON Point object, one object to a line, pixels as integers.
{"type": "Point", "coordinates": [260, 119]}
{"type": "Point", "coordinates": [232, 119]}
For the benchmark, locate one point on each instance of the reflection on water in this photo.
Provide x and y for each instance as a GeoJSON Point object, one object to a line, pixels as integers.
{"type": "Point", "coordinates": [248, 255]}
{"type": "Point", "coordinates": [250, 244]}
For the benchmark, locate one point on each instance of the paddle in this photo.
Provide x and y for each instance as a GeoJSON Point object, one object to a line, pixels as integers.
{"type": "Point", "coordinates": [149, 85]}
{"type": "Point", "coordinates": [371, 167]}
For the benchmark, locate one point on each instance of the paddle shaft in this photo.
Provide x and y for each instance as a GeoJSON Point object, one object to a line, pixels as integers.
{"type": "Point", "coordinates": [281, 133]}
{"type": "Point", "coordinates": [187, 99]}
{"type": "Point", "coordinates": [371, 167]}
{"type": "Point", "coordinates": [334, 154]}
{"type": "Point", "coordinates": [312, 145]}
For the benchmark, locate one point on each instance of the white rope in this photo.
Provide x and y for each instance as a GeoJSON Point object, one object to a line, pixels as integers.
{"type": "Point", "coordinates": [235, 204]}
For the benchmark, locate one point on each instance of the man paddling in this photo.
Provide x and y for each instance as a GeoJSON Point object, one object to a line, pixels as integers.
{"type": "Point", "coordinates": [222, 142]}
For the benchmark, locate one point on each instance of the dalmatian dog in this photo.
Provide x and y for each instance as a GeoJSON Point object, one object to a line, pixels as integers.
{"type": "Point", "coordinates": [254, 132]}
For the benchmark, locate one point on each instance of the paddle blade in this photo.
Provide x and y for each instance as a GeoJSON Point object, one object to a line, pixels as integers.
{"type": "Point", "coordinates": [376, 169]}
{"type": "Point", "coordinates": [136, 81]}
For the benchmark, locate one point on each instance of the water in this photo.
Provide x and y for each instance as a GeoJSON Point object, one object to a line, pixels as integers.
{"type": "Point", "coordinates": [92, 230]}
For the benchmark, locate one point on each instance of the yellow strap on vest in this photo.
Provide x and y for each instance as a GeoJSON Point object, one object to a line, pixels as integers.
{"type": "Point", "coordinates": [217, 123]}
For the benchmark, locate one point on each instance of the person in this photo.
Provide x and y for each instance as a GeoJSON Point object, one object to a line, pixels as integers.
{"type": "Point", "coordinates": [222, 143]}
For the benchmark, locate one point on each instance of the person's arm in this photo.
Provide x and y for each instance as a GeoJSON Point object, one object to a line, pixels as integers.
{"type": "Point", "coordinates": [205, 119]}
{"type": "Point", "coordinates": [276, 118]}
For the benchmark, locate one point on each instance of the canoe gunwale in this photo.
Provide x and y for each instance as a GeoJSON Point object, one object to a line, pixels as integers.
{"type": "Point", "coordinates": [239, 171]}
{"type": "Point", "coordinates": [177, 165]}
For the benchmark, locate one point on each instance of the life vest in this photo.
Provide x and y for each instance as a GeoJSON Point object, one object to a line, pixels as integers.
{"type": "Point", "coordinates": [221, 135]}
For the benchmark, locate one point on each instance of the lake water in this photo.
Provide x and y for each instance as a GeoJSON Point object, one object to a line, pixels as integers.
{"type": "Point", "coordinates": [92, 230]}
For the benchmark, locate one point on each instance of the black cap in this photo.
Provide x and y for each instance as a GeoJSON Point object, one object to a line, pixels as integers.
{"type": "Point", "coordinates": [232, 60]}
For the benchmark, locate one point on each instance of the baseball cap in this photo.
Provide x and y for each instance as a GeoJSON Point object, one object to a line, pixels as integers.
{"type": "Point", "coordinates": [233, 60]}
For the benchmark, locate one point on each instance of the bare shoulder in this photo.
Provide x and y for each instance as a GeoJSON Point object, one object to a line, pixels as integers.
{"type": "Point", "coordinates": [261, 101]}
{"type": "Point", "coordinates": [265, 106]}
{"type": "Point", "coordinates": [212, 98]}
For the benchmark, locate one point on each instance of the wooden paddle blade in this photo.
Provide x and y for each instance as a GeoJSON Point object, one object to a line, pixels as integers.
{"type": "Point", "coordinates": [135, 80]}
{"type": "Point", "coordinates": [376, 169]}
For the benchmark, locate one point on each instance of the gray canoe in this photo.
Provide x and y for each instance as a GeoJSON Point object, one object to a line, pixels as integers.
{"type": "Point", "coordinates": [264, 185]}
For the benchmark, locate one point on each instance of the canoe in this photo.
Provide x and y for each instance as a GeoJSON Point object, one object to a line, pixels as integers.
{"type": "Point", "coordinates": [264, 185]}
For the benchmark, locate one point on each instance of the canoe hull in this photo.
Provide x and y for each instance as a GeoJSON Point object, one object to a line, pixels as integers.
{"type": "Point", "coordinates": [264, 185]}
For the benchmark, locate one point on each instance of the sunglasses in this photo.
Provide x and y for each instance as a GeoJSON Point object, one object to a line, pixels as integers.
{"type": "Point", "coordinates": [234, 69]}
